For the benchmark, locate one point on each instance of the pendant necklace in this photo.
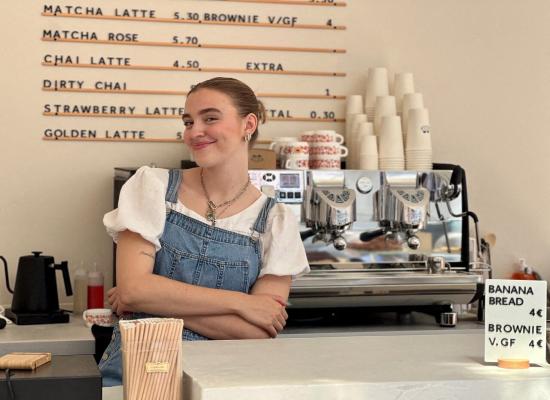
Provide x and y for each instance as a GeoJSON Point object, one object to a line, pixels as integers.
{"type": "Point", "coordinates": [212, 208]}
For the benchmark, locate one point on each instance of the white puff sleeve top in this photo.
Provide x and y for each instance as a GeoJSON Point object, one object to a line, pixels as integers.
{"type": "Point", "coordinates": [142, 209]}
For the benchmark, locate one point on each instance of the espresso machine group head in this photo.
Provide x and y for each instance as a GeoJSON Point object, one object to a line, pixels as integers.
{"type": "Point", "coordinates": [401, 208]}
{"type": "Point", "coordinates": [329, 207]}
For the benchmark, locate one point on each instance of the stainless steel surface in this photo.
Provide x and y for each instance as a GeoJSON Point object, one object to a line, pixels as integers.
{"type": "Point", "coordinates": [448, 319]}
{"type": "Point", "coordinates": [67, 339]}
{"type": "Point", "coordinates": [358, 289]}
{"type": "Point", "coordinates": [396, 213]}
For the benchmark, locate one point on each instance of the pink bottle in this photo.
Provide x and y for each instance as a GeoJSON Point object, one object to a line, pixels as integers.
{"type": "Point", "coordinates": [95, 289]}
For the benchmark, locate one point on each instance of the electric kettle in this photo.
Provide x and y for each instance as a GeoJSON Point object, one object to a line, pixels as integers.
{"type": "Point", "coordinates": [35, 298]}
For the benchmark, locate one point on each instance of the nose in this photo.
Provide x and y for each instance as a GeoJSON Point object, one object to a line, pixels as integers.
{"type": "Point", "coordinates": [195, 130]}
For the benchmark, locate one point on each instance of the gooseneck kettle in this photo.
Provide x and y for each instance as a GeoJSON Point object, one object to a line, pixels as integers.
{"type": "Point", "coordinates": [35, 299]}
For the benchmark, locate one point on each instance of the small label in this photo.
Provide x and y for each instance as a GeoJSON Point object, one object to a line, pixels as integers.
{"type": "Point", "coordinates": [156, 367]}
{"type": "Point", "coordinates": [515, 320]}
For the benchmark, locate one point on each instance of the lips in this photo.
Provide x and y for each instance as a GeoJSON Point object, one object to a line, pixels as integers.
{"type": "Point", "coordinates": [201, 145]}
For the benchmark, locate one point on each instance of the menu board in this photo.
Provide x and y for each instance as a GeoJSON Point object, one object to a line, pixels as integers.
{"type": "Point", "coordinates": [515, 320]}
{"type": "Point", "coordinates": [122, 73]}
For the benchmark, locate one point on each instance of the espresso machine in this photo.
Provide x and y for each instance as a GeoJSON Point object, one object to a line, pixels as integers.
{"type": "Point", "coordinates": [385, 240]}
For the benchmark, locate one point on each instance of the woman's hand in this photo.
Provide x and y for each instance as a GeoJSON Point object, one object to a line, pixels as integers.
{"type": "Point", "coordinates": [114, 300]}
{"type": "Point", "coordinates": [266, 311]}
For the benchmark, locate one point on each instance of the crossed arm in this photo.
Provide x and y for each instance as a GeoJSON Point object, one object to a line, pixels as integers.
{"type": "Point", "coordinates": [214, 313]}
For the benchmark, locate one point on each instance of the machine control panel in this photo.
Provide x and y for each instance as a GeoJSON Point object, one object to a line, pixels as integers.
{"type": "Point", "coordinates": [287, 186]}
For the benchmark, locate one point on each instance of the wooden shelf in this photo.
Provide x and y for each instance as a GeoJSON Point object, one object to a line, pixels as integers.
{"type": "Point", "coordinates": [151, 140]}
{"type": "Point", "coordinates": [149, 116]}
{"type": "Point", "coordinates": [186, 69]}
{"type": "Point", "coordinates": [184, 93]}
{"type": "Point", "coordinates": [294, 2]}
{"type": "Point", "coordinates": [195, 22]}
{"type": "Point", "coordinates": [200, 45]}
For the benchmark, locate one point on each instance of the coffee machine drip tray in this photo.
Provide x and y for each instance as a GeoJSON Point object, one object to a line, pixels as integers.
{"type": "Point", "coordinates": [23, 318]}
{"type": "Point", "coordinates": [322, 288]}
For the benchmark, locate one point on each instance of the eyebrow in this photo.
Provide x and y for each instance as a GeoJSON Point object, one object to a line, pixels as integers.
{"type": "Point", "coordinates": [203, 111]}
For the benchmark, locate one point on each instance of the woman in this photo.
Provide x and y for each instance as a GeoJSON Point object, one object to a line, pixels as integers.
{"type": "Point", "coordinates": [203, 244]}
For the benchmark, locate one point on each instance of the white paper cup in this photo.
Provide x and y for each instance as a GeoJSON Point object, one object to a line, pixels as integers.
{"type": "Point", "coordinates": [418, 130]}
{"type": "Point", "coordinates": [385, 106]}
{"type": "Point", "coordinates": [349, 122]}
{"type": "Point", "coordinates": [403, 83]}
{"type": "Point", "coordinates": [410, 100]}
{"type": "Point", "coordinates": [352, 141]}
{"type": "Point", "coordinates": [365, 129]}
{"type": "Point", "coordinates": [368, 144]}
{"type": "Point", "coordinates": [377, 85]}
{"type": "Point", "coordinates": [368, 162]}
{"type": "Point", "coordinates": [99, 316]}
{"type": "Point", "coordinates": [368, 152]}
{"type": "Point", "coordinates": [390, 139]}
{"type": "Point", "coordinates": [354, 104]}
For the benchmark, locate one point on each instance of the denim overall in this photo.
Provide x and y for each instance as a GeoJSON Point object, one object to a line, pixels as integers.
{"type": "Point", "coordinates": [198, 254]}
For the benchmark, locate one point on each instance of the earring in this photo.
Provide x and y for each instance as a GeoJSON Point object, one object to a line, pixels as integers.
{"type": "Point", "coordinates": [247, 137]}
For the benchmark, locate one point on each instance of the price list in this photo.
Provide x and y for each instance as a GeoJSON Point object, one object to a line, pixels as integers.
{"type": "Point", "coordinates": [515, 320]}
{"type": "Point", "coordinates": [124, 65]}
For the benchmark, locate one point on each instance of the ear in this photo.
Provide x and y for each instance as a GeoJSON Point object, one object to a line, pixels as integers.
{"type": "Point", "coordinates": [250, 124]}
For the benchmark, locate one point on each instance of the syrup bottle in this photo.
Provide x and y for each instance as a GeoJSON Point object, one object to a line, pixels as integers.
{"type": "Point", "coordinates": [95, 289]}
{"type": "Point", "coordinates": [80, 295]}
{"type": "Point", "coordinates": [525, 272]}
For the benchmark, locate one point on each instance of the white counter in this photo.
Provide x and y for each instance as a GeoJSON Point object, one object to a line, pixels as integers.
{"type": "Point", "coordinates": [60, 339]}
{"type": "Point", "coordinates": [358, 367]}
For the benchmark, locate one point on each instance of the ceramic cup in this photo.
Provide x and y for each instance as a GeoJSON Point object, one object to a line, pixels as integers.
{"type": "Point", "coordinates": [330, 148]}
{"type": "Point", "coordinates": [297, 162]}
{"type": "Point", "coordinates": [327, 161]}
{"type": "Point", "coordinates": [294, 148]}
{"type": "Point", "coordinates": [99, 316]}
{"type": "Point", "coordinates": [277, 144]}
{"type": "Point", "coordinates": [322, 137]}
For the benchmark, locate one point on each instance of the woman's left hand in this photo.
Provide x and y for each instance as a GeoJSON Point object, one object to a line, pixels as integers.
{"type": "Point", "coordinates": [114, 300]}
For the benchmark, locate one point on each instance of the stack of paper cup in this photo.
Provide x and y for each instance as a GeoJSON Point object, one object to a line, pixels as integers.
{"type": "Point", "coordinates": [368, 148]}
{"type": "Point", "coordinates": [419, 140]}
{"type": "Point", "coordinates": [410, 100]}
{"type": "Point", "coordinates": [352, 140]}
{"type": "Point", "coordinates": [385, 106]}
{"type": "Point", "coordinates": [390, 144]}
{"type": "Point", "coordinates": [354, 105]}
{"type": "Point", "coordinates": [403, 84]}
{"type": "Point", "coordinates": [377, 85]}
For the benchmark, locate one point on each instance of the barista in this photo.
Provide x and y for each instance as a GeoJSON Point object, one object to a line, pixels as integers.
{"type": "Point", "coordinates": [203, 244]}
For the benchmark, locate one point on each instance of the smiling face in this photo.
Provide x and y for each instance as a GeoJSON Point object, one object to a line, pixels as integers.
{"type": "Point", "coordinates": [214, 130]}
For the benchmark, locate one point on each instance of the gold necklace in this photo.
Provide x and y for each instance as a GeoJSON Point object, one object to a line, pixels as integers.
{"type": "Point", "coordinates": [211, 207]}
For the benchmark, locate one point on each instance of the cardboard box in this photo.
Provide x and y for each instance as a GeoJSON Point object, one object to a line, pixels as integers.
{"type": "Point", "coordinates": [261, 159]}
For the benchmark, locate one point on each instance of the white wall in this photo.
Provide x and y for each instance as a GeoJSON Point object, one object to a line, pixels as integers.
{"type": "Point", "coordinates": [483, 66]}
